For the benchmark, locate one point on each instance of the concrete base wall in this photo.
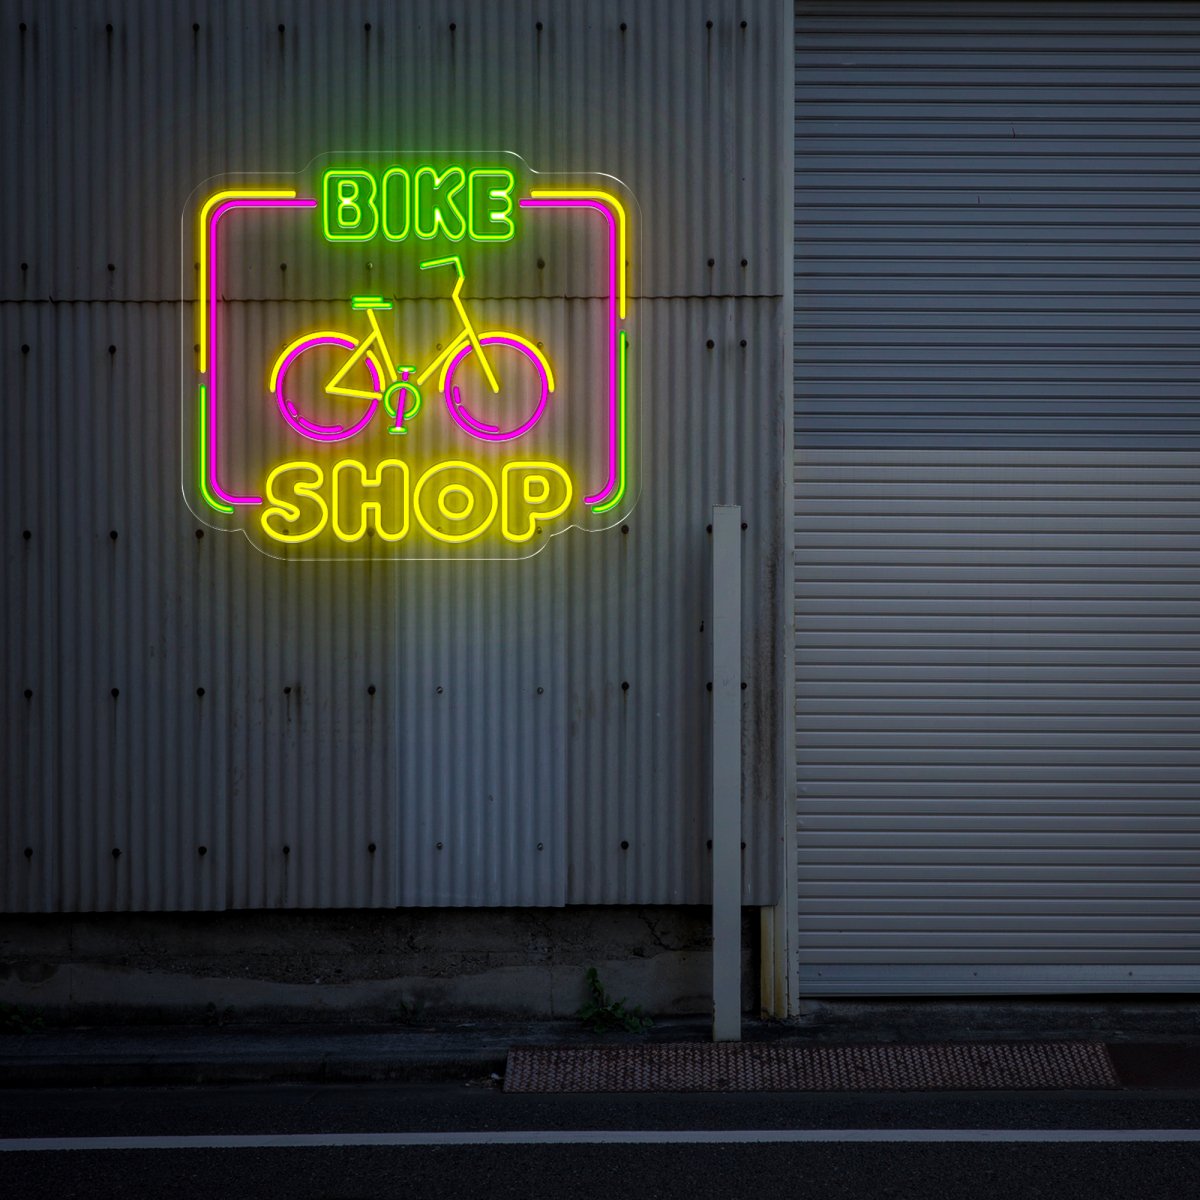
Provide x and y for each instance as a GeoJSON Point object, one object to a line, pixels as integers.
{"type": "Point", "coordinates": [407, 965]}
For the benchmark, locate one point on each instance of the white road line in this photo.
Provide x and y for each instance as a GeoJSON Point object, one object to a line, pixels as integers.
{"type": "Point", "coordinates": [578, 1137]}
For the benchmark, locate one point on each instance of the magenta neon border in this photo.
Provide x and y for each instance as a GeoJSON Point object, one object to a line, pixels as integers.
{"type": "Point", "coordinates": [613, 401]}
{"type": "Point", "coordinates": [213, 292]}
{"type": "Point", "coordinates": [301, 202]}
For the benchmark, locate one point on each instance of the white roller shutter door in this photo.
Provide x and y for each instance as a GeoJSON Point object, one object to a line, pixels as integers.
{"type": "Point", "coordinates": [997, 349]}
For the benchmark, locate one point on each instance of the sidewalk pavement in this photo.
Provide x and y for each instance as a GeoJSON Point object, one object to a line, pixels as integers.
{"type": "Point", "coordinates": [1154, 1043]}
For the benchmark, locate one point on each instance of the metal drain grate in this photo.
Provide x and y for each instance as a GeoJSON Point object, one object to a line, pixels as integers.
{"type": "Point", "coordinates": [764, 1067]}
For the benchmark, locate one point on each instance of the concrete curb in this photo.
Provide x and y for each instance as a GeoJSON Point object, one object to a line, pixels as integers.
{"type": "Point", "coordinates": [51, 1073]}
{"type": "Point", "coordinates": [105, 1057]}
{"type": "Point", "coordinates": [160, 1055]}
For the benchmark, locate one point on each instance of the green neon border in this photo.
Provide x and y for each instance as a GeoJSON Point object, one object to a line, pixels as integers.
{"type": "Point", "coordinates": [202, 438]}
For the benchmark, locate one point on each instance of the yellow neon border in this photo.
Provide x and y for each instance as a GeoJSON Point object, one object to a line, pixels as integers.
{"type": "Point", "coordinates": [605, 198]}
{"type": "Point", "coordinates": [202, 242]}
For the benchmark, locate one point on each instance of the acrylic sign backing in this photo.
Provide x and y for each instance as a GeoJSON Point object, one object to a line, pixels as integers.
{"type": "Point", "coordinates": [409, 356]}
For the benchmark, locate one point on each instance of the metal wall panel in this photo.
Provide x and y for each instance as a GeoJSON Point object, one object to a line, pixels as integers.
{"type": "Point", "coordinates": [657, 742]}
{"type": "Point", "coordinates": [303, 786]}
{"type": "Point", "coordinates": [997, 566]}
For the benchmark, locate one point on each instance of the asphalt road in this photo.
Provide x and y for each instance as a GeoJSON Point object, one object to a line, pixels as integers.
{"type": "Point", "coordinates": [1062, 1170]}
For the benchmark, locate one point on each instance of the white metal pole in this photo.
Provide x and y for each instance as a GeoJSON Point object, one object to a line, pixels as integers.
{"type": "Point", "coordinates": [727, 773]}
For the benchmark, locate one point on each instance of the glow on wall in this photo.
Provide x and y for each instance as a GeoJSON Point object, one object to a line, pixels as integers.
{"type": "Point", "coordinates": [409, 356]}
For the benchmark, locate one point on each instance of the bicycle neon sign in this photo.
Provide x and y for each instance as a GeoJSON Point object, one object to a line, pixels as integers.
{"type": "Point", "coordinates": [439, 397]}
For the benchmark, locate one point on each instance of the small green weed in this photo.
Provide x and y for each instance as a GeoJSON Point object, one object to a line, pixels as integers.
{"type": "Point", "coordinates": [406, 1013]}
{"type": "Point", "coordinates": [19, 1020]}
{"type": "Point", "coordinates": [603, 1014]}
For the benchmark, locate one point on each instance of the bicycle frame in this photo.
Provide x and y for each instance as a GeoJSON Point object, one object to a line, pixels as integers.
{"type": "Point", "coordinates": [373, 304]}
{"type": "Point", "coordinates": [392, 383]}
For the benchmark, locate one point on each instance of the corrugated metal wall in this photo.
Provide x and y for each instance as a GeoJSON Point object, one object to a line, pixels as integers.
{"type": "Point", "coordinates": [997, 620]}
{"type": "Point", "coordinates": [189, 724]}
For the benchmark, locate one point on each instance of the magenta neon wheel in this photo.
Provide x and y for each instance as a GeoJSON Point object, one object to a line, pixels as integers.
{"type": "Point", "coordinates": [305, 426]}
{"type": "Point", "coordinates": [519, 416]}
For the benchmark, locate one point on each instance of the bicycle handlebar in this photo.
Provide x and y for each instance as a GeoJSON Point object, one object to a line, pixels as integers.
{"type": "Point", "coordinates": [452, 261]}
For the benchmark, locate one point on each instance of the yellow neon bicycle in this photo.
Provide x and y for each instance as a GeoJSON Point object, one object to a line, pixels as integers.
{"type": "Point", "coordinates": [393, 385]}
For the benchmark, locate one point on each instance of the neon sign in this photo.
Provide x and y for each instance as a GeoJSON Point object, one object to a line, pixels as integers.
{"type": "Point", "coordinates": [376, 364]}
